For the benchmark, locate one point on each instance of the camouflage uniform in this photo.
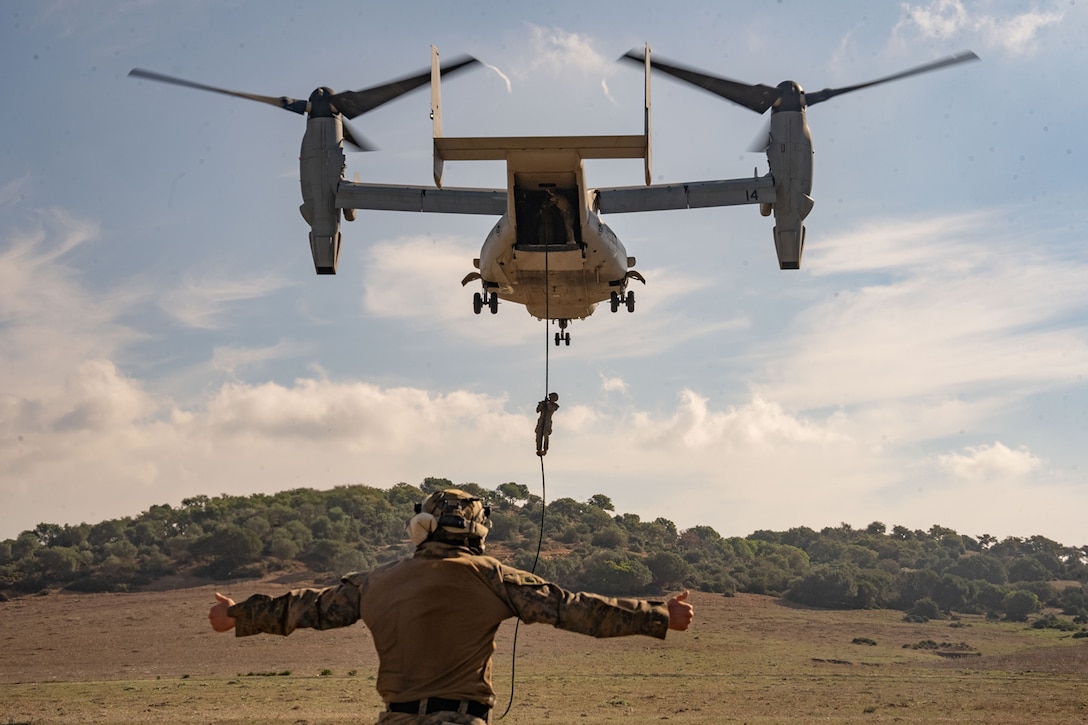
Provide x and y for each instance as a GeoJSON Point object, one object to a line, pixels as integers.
{"type": "Point", "coordinates": [434, 617]}
{"type": "Point", "coordinates": [546, 408]}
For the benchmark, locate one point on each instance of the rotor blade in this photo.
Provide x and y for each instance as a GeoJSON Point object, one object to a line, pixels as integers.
{"type": "Point", "coordinates": [819, 96]}
{"type": "Point", "coordinates": [355, 103]}
{"type": "Point", "coordinates": [757, 98]}
{"type": "Point", "coordinates": [762, 140]}
{"type": "Point", "coordinates": [284, 102]}
{"type": "Point", "coordinates": [356, 139]}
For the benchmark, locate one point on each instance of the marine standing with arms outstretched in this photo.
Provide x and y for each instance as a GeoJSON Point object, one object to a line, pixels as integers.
{"type": "Point", "coordinates": [434, 616]}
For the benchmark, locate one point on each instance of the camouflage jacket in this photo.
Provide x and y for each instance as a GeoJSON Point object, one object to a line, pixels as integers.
{"type": "Point", "coordinates": [434, 617]}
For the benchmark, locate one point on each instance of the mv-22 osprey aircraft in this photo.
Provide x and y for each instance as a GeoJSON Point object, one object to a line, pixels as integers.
{"type": "Point", "coordinates": [549, 250]}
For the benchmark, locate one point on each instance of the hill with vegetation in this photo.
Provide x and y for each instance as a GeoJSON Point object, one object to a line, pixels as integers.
{"type": "Point", "coordinates": [583, 545]}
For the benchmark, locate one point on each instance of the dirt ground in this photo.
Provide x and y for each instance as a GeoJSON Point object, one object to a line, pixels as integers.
{"type": "Point", "coordinates": [88, 637]}
{"type": "Point", "coordinates": [152, 657]}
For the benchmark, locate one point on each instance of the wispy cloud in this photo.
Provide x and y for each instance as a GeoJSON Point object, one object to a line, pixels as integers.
{"type": "Point", "coordinates": [234, 359]}
{"type": "Point", "coordinates": [200, 302]}
{"type": "Point", "coordinates": [948, 309]}
{"type": "Point", "coordinates": [1016, 34]}
{"type": "Point", "coordinates": [46, 308]}
{"type": "Point", "coordinates": [612, 384]}
{"type": "Point", "coordinates": [553, 51]}
{"type": "Point", "coordinates": [14, 190]}
{"type": "Point", "coordinates": [561, 51]}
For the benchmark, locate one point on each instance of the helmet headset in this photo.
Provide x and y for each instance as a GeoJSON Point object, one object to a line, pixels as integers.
{"type": "Point", "coordinates": [451, 516]}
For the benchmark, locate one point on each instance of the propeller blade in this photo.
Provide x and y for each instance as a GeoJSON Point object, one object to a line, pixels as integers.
{"type": "Point", "coordinates": [356, 139]}
{"type": "Point", "coordinates": [284, 102]}
{"type": "Point", "coordinates": [757, 98]}
{"type": "Point", "coordinates": [762, 140]}
{"type": "Point", "coordinates": [349, 103]}
{"type": "Point", "coordinates": [820, 96]}
{"type": "Point", "coordinates": [355, 103]}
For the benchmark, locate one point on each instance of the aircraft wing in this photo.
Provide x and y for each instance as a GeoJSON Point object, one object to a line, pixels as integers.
{"type": "Point", "coordinates": [354, 195]}
{"type": "Point", "coordinates": [691, 195]}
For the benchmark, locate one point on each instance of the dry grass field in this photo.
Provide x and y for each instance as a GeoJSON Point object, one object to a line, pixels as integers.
{"type": "Point", "coordinates": [151, 657]}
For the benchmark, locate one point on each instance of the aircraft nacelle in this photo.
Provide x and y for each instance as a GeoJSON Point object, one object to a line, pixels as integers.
{"type": "Point", "coordinates": [321, 168]}
{"type": "Point", "coordinates": [789, 142]}
{"type": "Point", "coordinates": [321, 160]}
{"type": "Point", "coordinates": [789, 156]}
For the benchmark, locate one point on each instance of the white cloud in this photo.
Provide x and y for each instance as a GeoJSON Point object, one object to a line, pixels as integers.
{"type": "Point", "coordinates": [1016, 34]}
{"type": "Point", "coordinates": [1019, 34]}
{"type": "Point", "coordinates": [737, 467]}
{"type": "Point", "coordinates": [989, 463]}
{"type": "Point", "coordinates": [95, 435]}
{"type": "Point", "coordinates": [102, 446]}
{"type": "Point", "coordinates": [560, 51]}
{"type": "Point", "coordinates": [612, 384]}
{"type": "Point", "coordinates": [948, 318]}
{"type": "Point", "coordinates": [50, 318]}
{"type": "Point", "coordinates": [758, 424]}
{"type": "Point", "coordinates": [361, 416]}
{"type": "Point", "coordinates": [96, 397]}
{"type": "Point", "coordinates": [553, 52]}
{"type": "Point", "coordinates": [418, 277]}
{"type": "Point", "coordinates": [940, 19]}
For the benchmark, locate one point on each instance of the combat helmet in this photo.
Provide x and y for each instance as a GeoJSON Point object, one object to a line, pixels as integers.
{"type": "Point", "coordinates": [453, 516]}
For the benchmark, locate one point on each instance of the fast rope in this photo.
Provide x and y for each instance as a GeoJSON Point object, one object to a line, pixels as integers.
{"type": "Point", "coordinates": [543, 425]}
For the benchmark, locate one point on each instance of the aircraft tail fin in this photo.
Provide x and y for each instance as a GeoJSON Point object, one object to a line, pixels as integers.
{"type": "Point", "coordinates": [436, 113]}
{"type": "Point", "coordinates": [646, 118]}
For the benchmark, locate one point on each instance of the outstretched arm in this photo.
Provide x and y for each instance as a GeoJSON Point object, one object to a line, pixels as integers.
{"type": "Point", "coordinates": [534, 600]}
{"type": "Point", "coordinates": [221, 621]}
{"type": "Point", "coordinates": [326, 608]}
{"type": "Point", "coordinates": [680, 612]}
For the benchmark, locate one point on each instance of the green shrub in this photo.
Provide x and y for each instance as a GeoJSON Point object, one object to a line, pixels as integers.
{"type": "Point", "coordinates": [925, 607]}
{"type": "Point", "coordinates": [1019, 604]}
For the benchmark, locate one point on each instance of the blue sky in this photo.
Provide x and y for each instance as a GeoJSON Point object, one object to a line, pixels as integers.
{"type": "Point", "coordinates": [162, 333]}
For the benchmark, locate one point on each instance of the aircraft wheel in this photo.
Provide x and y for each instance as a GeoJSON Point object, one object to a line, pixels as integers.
{"type": "Point", "coordinates": [614, 299]}
{"type": "Point", "coordinates": [557, 338]}
{"type": "Point", "coordinates": [493, 303]}
{"type": "Point", "coordinates": [477, 303]}
{"type": "Point", "coordinates": [566, 339]}
{"type": "Point", "coordinates": [630, 301]}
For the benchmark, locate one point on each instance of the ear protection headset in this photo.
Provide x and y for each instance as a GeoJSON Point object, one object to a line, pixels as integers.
{"type": "Point", "coordinates": [452, 510]}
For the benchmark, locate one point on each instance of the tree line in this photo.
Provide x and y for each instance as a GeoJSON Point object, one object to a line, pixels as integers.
{"type": "Point", "coordinates": [583, 545]}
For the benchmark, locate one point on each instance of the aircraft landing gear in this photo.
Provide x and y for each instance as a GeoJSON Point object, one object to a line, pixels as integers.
{"type": "Point", "coordinates": [487, 298]}
{"type": "Point", "coordinates": [562, 336]}
{"type": "Point", "coordinates": [627, 298]}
